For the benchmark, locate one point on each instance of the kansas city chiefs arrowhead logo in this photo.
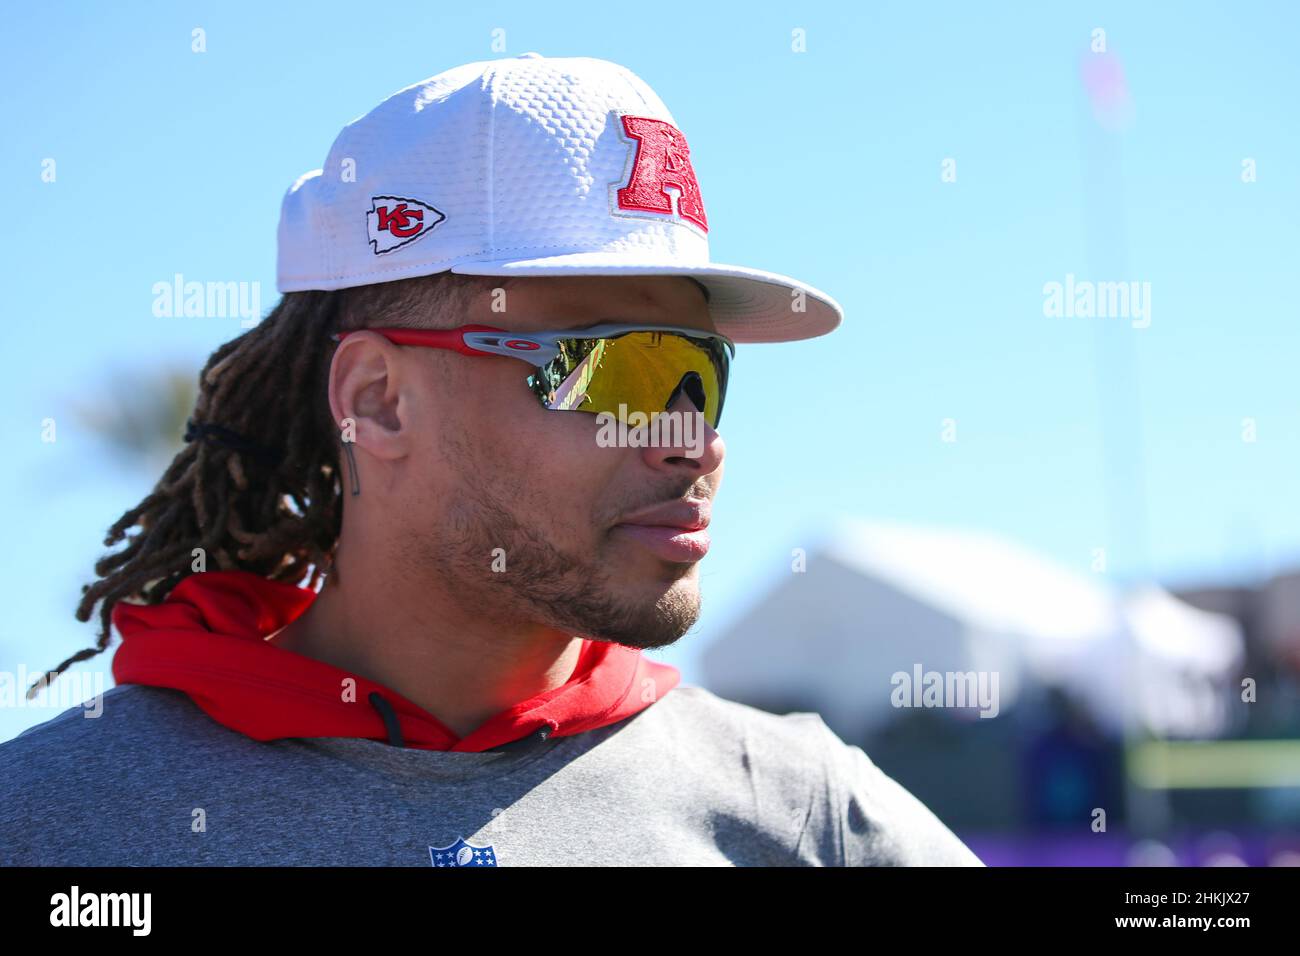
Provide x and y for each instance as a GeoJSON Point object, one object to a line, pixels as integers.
{"type": "Point", "coordinates": [392, 222]}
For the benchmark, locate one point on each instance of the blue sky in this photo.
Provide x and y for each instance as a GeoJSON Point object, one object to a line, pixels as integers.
{"type": "Point", "coordinates": [1071, 433]}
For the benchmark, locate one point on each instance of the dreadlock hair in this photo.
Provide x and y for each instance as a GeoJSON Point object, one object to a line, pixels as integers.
{"type": "Point", "coordinates": [280, 516]}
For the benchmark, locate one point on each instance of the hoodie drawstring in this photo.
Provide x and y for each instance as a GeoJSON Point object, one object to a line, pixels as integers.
{"type": "Point", "coordinates": [528, 743]}
{"type": "Point", "coordinates": [386, 711]}
{"type": "Point", "coordinates": [525, 744]}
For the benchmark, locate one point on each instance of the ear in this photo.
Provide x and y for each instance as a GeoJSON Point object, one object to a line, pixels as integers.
{"type": "Point", "coordinates": [368, 395]}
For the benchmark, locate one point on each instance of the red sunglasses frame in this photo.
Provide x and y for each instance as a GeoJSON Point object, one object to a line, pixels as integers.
{"type": "Point", "coordinates": [540, 347]}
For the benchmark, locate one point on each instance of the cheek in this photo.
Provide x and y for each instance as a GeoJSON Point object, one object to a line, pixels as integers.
{"type": "Point", "coordinates": [516, 428]}
{"type": "Point", "coordinates": [546, 464]}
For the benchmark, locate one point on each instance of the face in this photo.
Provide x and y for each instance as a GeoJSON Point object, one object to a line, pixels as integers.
{"type": "Point", "coordinates": [520, 512]}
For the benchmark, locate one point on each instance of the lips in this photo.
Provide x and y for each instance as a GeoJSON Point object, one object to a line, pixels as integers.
{"type": "Point", "coordinates": [686, 514]}
{"type": "Point", "coordinates": [672, 532]}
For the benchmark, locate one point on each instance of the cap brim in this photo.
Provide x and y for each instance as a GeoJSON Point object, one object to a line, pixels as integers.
{"type": "Point", "coordinates": [747, 305]}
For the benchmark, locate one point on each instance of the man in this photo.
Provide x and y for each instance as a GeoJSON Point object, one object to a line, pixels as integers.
{"type": "Point", "coordinates": [484, 261]}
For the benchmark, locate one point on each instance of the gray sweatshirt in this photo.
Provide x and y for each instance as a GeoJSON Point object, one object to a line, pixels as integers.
{"type": "Point", "coordinates": [692, 780]}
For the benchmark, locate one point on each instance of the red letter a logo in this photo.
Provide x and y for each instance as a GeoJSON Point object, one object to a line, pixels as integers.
{"type": "Point", "coordinates": [662, 159]}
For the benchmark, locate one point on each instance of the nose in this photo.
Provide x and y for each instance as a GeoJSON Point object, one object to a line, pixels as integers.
{"type": "Point", "coordinates": [686, 442]}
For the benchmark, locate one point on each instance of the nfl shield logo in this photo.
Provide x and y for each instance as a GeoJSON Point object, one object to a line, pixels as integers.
{"type": "Point", "coordinates": [461, 853]}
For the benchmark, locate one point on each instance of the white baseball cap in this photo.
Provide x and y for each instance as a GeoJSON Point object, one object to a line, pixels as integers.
{"type": "Point", "coordinates": [525, 166]}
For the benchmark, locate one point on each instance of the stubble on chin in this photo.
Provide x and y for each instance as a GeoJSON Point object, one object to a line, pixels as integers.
{"type": "Point", "coordinates": [540, 583]}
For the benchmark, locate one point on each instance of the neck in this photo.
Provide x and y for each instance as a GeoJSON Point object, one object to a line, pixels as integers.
{"type": "Point", "coordinates": [410, 636]}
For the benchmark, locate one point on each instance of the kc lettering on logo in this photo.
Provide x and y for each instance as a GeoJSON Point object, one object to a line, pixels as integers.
{"type": "Point", "coordinates": [400, 221]}
{"type": "Point", "coordinates": [393, 221]}
{"type": "Point", "coordinates": [660, 161]}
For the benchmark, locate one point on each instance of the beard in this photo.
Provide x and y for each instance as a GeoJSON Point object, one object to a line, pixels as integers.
{"type": "Point", "coordinates": [541, 583]}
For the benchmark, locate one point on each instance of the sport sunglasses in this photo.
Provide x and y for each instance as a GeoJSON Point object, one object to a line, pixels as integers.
{"type": "Point", "coordinates": [613, 368]}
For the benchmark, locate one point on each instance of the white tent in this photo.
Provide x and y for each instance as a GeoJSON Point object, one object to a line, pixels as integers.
{"type": "Point", "coordinates": [879, 599]}
{"type": "Point", "coordinates": [1186, 657]}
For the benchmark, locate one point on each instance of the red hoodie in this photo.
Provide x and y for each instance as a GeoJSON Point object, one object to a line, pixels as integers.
{"type": "Point", "coordinates": [208, 639]}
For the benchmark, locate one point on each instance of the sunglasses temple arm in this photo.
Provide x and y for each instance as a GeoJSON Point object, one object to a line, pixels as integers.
{"type": "Point", "coordinates": [451, 339]}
